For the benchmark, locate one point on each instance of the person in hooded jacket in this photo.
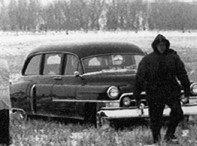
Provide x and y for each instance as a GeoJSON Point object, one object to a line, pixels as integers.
{"type": "Point", "coordinates": [158, 73]}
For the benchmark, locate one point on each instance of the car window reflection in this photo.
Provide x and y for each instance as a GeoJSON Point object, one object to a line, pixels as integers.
{"type": "Point", "coordinates": [94, 62]}
{"type": "Point", "coordinates": [111, 62]}
{"type": "Point", "coordinates": [52, 64]}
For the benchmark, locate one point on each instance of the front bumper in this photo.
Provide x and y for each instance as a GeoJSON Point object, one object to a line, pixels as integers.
{"type": "Point", "coordinates": [134, 112]}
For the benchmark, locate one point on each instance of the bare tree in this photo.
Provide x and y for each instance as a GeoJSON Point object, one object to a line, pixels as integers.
{"type": "Point", "coordinates": [33, 14]}
{"type": "Point", "coordinates": [88, 14]}
{"type": "Point", "coordinates": [4, 18]}
{"type": "Point", "coordinates": [13, 14]}
{"type": "Point", "coordinates": [95, 10]}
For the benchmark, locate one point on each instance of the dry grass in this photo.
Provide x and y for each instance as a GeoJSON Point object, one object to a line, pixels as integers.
{"type": "Point", "coordinates": [40, 132]}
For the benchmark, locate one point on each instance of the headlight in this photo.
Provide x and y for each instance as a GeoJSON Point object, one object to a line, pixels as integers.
{"type": "Point", "coordinates": [113, 92]}
{"type": "Point", "coordinates": [193, 88]}
{"type": "Point", "coordinates": [126, 101]}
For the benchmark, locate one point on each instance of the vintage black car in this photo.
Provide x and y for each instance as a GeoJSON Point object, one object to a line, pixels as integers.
{"type": "Point", "coordinates": [89, 81]}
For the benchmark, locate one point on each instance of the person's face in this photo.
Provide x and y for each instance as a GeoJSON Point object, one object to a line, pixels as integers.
{"type": "Point", "coordinates": [161, 47]}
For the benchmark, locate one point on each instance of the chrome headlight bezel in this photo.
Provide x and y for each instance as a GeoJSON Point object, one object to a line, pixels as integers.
{"type": "Point", "coordinates": [113, 92]}
{"type": "Point", "coordinates": [193, 89]}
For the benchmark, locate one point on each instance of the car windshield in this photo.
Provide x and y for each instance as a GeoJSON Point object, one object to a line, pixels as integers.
{"type": "Point", "coordinates": [111, 62]}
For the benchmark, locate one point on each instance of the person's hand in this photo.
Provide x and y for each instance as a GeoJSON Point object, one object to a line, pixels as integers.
{"type": "Point", "coordinates": [142, 106]}
{"type": "Point", "coordinates": [185, 100]}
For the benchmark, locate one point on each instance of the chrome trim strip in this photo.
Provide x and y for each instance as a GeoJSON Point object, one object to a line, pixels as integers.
{"type": "Point", "coordinates": [32, 90]}
{"type": "Point", "coordinates": [32, 97]}
{"type": "Point", "coordinates": [104, 101]}
{"type": "Point", "coordinates": [75, 100]}
{"type": "Point", "coordinates": [130, 94]}
{"type": "Point", "coordinates": [193, 97]}
{"type": "Point", "coordinates": [144, 93]}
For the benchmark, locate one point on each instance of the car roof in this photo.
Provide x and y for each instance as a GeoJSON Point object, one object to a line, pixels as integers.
{"type": "Point", "coordinates": [85, 49]}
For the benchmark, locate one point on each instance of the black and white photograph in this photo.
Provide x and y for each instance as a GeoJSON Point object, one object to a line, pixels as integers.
{"type": "Point", "coordinates": [98, 72]}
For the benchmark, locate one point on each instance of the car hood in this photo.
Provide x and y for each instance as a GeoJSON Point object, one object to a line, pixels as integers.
{"type": "Point", "coordinates": [124, 79]}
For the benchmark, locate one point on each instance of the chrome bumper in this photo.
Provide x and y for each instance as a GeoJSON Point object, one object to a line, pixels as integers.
{"type": "Point", "coordinates": [121, 113]}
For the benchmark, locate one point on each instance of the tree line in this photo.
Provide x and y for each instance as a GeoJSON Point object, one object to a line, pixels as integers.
{"type": "Point", "coordinates": [31, 15]}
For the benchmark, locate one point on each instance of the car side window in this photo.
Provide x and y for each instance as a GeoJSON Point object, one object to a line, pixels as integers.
{"type": "Point", "coordinates": [33, 66]}
{"type": "Point", "coordinates": [52, 64]}
{"type": "Point", "coordinates": [72, 65]}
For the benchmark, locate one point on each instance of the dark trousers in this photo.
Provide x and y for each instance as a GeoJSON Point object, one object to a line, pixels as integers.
{"type": "Point", "coordinates": [4, 127]}
{"type": "Point", "coordinates": [156, 108]}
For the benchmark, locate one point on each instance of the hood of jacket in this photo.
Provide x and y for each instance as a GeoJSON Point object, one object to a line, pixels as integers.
{"type": "Point", "coordinates": [160, 38]}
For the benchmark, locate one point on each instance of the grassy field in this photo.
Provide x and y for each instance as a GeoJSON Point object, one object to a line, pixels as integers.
{"type": "Point", "coordinates": [15, 46]}
{"type": "Point", "coordinates": [40, 132]}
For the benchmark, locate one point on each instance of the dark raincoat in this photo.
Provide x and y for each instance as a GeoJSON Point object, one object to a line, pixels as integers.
{"type": "Point", "coordinates": [159, 75]}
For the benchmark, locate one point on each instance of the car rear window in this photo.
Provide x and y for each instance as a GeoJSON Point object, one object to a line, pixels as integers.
{"type": "Point", "coordinates": [111, 62]}
{"type": "Point", "coordinates": [33, 66]}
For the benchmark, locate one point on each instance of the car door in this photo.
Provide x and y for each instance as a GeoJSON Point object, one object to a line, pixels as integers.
{"type": "Point", "coordinates": [50, 75]}
{"type": "Point", "coordinates": [64, 92]}
{"type": "Point", "coordinates": [31, 76]}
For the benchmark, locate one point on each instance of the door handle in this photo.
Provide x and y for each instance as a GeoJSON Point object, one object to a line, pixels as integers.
{"type": "Point", "coordinates": [57, 78]}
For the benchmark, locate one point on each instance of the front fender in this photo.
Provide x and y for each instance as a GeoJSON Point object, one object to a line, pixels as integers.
{"type": "Point", "coordinates": [90, 92]}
